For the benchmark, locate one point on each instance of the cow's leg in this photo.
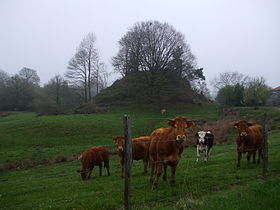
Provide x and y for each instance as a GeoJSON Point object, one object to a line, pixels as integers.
{"type": "Point", "coordinates": [89, 172]}
{"type": "Point", "coordinates": [248, 158]}
{"type": "Point", "coordinates": [260, 155]}
{"type": "Point", "coordinates": [122, 166]}
{"type": "Point", "coordinates": [239, 155]}
{"type": "Point", "coordinates": [197, 153]}
{"type": "Point", "coordinates": [254, 156]}
{"type": "Point", "coordinates": [206, 154]}
{"type": "Point", "coordinates": [159, 171]}
{"type": "Point", "coordinates": [152, 164]}
{"type": "Point", "coordinates": [173, 179]}
{"type": "Point", "coordinates": [165, 172]}
{"type": "Point", "coordinates": [106, 165]}
{"type": "Point", "coordinates": [100, 169]}
{"type": "Point", "coordinates": [145, 161]}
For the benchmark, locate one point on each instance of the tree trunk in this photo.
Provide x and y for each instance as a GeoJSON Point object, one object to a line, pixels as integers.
{"type": "Point", "coordinates": [89, 75]}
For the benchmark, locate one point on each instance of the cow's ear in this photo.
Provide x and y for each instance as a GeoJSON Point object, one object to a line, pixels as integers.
{"type": "Point", "coordinates": [115, 139]}
{"type": "Point", "coordinates": [249, 124]}
{"type": "Point", "coordinates": [190, 124]}
{"type": "Point", "coordinates": [79, 171]}
{"type": "Point", "coordinates": [196, 134]}
{"type": "Point", "coordinates": [235, 125]}
{"type": "Point", "coordinates": [171, 123]}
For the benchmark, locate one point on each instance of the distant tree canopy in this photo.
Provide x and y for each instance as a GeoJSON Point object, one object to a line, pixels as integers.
{"type": "Point", "coordinates": [18, 91]}
{"type": "Point", "coordinates": [231, 95]}
{"type": "Point", "coordinates": [251, 92]}
{"type": "Point", "coordinates": [229, 79]}
{"type": "Point", "coordinates": [160, 52]}
{"type": "Point", "coordinates": [256, 92]}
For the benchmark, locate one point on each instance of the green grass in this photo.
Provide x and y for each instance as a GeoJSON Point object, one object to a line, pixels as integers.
{"type": "Point", "coordinates": [27, 137]}
{"type": "Point", "coordinates": [216, 185]}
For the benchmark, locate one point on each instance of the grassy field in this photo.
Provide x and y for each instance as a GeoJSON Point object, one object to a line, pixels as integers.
{"type": "Point", "coordinates": [27, 138]}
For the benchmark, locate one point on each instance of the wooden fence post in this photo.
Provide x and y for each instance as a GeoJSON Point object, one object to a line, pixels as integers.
{"type": "Point", "coordinates": [128, 157]}
{"type": "Point", "coordinates": [265, 147]}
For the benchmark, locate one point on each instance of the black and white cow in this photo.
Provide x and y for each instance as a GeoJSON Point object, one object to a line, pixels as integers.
{"type": "Point", "coordinates": [204, 144]}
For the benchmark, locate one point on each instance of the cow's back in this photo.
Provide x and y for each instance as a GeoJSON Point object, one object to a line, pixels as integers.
{"type": "Point", "coordinates": [256, 132]}
{"type": "Point", "coordinates": [101, 154]}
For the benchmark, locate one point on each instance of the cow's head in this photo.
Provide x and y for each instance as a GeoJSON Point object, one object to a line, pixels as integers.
{"type": "Point", "coordinates": [84, 173]}
{"type": "Point", "coordinates": [242, 127]}
{"type": "Point", "coordinates": [202, 136]}
{"type": "Point", "coordinates": [180, 125]}
{"type": "Point", "coordinates": [119, 143]}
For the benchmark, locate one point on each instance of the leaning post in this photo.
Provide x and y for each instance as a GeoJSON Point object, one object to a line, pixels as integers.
{"type": "Point", "coordinates": [265, 147]}
{"type": "Point", "coordinates": [128, 157]}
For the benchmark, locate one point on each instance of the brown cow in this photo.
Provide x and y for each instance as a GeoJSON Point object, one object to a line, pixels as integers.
{"type": "Point", "coordinates": [249, 139]}
{"type": "Point", "coordinates": [163, 111]}
{"type": "Point", "coordinates": [166, 148]}
{"type": "Point", "coordinates": [140, 150]}
{"type": "Point", "coordinates": [94, 156]}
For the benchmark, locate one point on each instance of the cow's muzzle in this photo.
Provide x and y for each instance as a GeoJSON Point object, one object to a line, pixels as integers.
{"type": "Point", "coordinates": [120, 149]}
{"type": "Point", "coordinates": [181, 138]}
{"type": "Point", "coordinates": [243, 134]}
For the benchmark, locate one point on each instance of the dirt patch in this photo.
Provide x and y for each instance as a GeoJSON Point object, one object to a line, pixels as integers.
{"type": "Point", "coordinates": [5, 114]}
{"type": "Point", "coordinates": [29, 164]}
{"type": "Point", "coordinates": [220, 128]}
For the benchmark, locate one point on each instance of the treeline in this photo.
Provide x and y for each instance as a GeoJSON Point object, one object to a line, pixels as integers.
{"type": "Point", "coordinates": [235, 89]}
{"type": "Point", "coordinates": [86, 75]}
{"type": "Point", "coordinates": [156, 64]}
{"type": "Point", "coordinates": [21, 92]}
{"type": "Point", "coordinates": [167, 67]}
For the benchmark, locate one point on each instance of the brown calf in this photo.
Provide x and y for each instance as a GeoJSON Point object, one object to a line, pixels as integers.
{"type": "Point", "coordinates": [140, 150]}
{"type": "Point", "coordinates": [249, 139]}
{"type": "Point", "coordinates": [94, 156]}
{"type": "Point", "coordinates": [166, 148]}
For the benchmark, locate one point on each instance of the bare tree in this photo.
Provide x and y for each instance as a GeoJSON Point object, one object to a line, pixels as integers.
{"type": "Point", "coordinates": [229, 79]}
{"type": "Point", "coordinates": [100, 76]}
{"type": "Point", "coordinates": [150, 46]}
{"type": "Point", "coordinates": [55, 88]}
{"type": "Point", "coordinates": [82, 66]}
{"type": "Point", "coordinates": [154, 48]}
{"type": "Point", "coordinates": [30, 76]}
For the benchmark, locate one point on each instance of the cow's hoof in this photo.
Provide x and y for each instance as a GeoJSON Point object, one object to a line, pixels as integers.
{"type": "Point", "coordinates": [154, 186]}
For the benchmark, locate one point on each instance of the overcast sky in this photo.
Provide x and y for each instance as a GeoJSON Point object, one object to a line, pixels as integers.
{"type": "Point", "coordinates": [224, 35]}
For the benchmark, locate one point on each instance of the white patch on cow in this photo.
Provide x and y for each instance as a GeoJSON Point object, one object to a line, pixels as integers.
{"type": "Point", "coordinates": [201, 135]}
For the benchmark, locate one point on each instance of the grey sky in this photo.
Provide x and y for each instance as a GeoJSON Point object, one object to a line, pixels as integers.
{"type": "Point", "coordinates": [225, 35]}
